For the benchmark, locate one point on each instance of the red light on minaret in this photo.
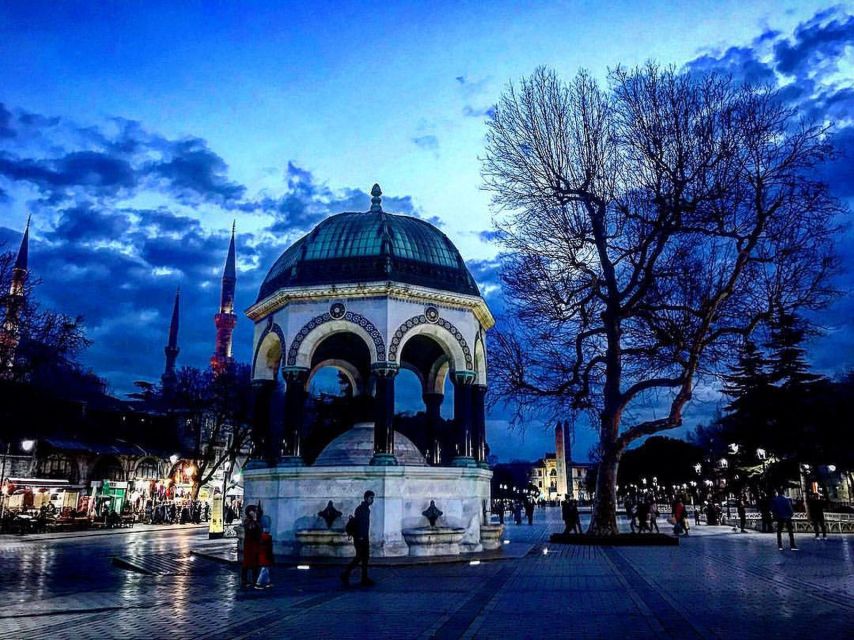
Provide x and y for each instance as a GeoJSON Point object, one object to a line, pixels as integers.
{"type": "Point", "coordinates": [226, 319]}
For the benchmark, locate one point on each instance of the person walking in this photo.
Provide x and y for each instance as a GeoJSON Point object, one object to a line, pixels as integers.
{"type": "Point", "coordinates": [499, 510]}
{"type": "Point", "coordinates": [569, 514]}
{"type": "Point", "coordinates": [631, 514]}
{"type": "Point", "coordinates": [782, 509]}
{"type": "Point", "coordinates": [265, 559]}
{"type": "Point", "coordinates": [679, 517]}
{"type": "Point", "coordinates": [529, 511]}
{"type": "Point", "coordinates": [815, 507]}
{"type": "Point", "coordinates": [742, 514]}
{"type": "Point", "coordinates": [653, 516]}
{"type": "Point", "coordinates": [361, 532]}
{"type": "Point", "coordinates": [643, 515]}
{"type": "Point", "coordinates": [251, 545]}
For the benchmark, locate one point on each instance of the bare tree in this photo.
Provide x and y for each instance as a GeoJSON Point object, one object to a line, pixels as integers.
{"type": "Point", "coordinates": [215, 408]}
{"type": "Point", "coordinates": [649, 227]}
{"type": "Point", "coordinates": [36, 342]}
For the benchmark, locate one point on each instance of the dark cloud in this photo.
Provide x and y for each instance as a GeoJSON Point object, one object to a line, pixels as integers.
{"type": "Point", "coordinates": [489, 235]}
{"type": "Point", "coordinates": [479, 112]}
{"type": "Point", "coordinates": [86, 224]}
{"type": "Point", "coordinates": [6, 130]}
{"type": "Point", "coordinates": [816, 46]}
{"type": "Point", "coordinates": [427, 142]}
{"type": "Point", "coordinates": [195, 172]}
{"type": "Point", "coordinates": [87, 169]}
{"type": "Point", "coordinates": [741, 63]}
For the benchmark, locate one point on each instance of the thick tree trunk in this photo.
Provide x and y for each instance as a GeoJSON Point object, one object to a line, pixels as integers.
{"type": "Point", "coordinates": [604, 518]}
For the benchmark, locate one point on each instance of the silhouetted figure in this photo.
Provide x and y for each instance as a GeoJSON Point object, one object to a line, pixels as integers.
{"type": "Point", "coordinates": [742, 514]}
{"type": "Point", "coordinates": [361, 540]}
{"type": "Point", "coordinates": [529, 511]}
{"type": "Point", "coordinates": [643, 516]}
{"type": "Point", "coordinates": [653, 516]}
{"type": "Point", "coordinates": [517, 512]}
{"type": "Point", "coordinates": [265, 560]}
{"type": "Point", "coordinates": [782, 509]}
{"type": "Point", "coordinates": [631, 514]}
{"type": "Point", "coordinates": [815, 507]}
{"type": "Point", "coordinates": [571, 518]}
{"type": "Point", "coordinates": [499, 510]}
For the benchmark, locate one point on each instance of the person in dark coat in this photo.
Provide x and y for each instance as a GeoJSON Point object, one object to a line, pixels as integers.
{"type": "Point", "coordinates": [529, 511]}
{"type": "Point", "coordinates": [815, 507]}
{"type": "Point", "coordinates": [742, 513]}
{"type": "Point", "coordinates": [499, 510]}
{"type": "Point", "coordinates": [362, 541]}
{"type": "Point", "coordinates": [517, 512]}
{"type": "Point", "coordinates": [571, 519]}
{"type": "Point", "coordinates": [782, 509]}
{"type": "Point", "coordinates": [251, 545]}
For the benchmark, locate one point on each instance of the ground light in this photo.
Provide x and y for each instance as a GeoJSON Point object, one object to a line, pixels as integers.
{"type": "Point", "coordinates": [545, 551]}
{"type": "Point", "coordinates": [303, 567]}
{"type": "Point", "coordinates": [474, 563]}
{"type": "Point", "coordinates": [506, 542]}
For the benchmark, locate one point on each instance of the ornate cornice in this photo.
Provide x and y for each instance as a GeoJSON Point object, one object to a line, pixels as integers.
{"type": "Point", "coordinates": [394, 290]}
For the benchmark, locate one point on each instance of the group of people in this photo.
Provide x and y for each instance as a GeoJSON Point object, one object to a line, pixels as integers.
{"type": "Point", "coordinates": [643, 514]}
{"type": "Point", "coordinates": [516, 509]}
{"type": "Point", "coordinates": [258, 556]}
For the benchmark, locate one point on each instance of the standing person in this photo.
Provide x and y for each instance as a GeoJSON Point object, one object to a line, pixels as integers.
{"type": "Point", "coordinates": [361, 529]}
{"type": "Point", "coordinates": [782, 509]}
{"type": "Point", "coordinates": [517, 512]}
{"type": "Point", "coordinates": [631, 514]}
{"type": "Point", "coordinates": [742, 513]}
{"type": "Point", "coordinates": [678, 516]}
{"type": "Point", "coordinates": [643, 515]}
{"type": "Point", "coordinates": [653, 516]}
{"type": "Point", "coordinates": [529, 511]}
{"type": "Point", "coordinates": [815, 507]}
{"type": "Point", "coordinates": [697, 515]}
{"type": "Point", "coordinates": [251, 545]}
{"type": "Point", "coordinates": [265, 559]}
{"type": "Point", "coordinates": [499, 510]}
{"type": "Point", "coordinates": [569, 515]}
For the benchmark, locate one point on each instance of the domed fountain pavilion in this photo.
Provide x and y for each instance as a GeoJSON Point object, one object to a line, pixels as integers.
{"type": "Point", "coordinates": [369, 293]}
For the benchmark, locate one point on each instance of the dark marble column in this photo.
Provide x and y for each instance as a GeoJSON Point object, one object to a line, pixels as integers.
{"type": "Point", "coordinates": [384, 375]}
{"type": "Point", "coordinates": [463, 385]}
{"type": "Point", "coordinates": [433, 404]}
{"type": "Point", "coordinates": [479, 423]}
{"type": "Point", "coordinates": [295, 395]}
{"type": "Point", "coordinates": [262, 451]}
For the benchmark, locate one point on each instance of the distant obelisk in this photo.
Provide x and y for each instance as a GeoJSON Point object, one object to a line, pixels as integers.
{"type": "Point", "coordinates": [560, 458]}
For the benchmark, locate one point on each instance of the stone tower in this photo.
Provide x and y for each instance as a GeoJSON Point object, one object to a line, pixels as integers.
{"type": "Point", "coordinates": [226, 319]}
{"type": "Point", "coordinates": [560, 459]}
{"type": "Point", "coordinates": [168, 379]}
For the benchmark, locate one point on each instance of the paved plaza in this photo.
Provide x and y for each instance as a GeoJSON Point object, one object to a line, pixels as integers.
{"type": "Point", "coordinates": [716, 584]}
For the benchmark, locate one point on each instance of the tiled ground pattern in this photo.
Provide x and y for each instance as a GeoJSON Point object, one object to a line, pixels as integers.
{"type": "Point", "coordinates": [716, 584]}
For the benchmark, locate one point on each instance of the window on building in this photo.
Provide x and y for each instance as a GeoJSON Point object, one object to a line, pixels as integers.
{"type": "Point", "coordinates": [148, 470]}
{"type": "Point", "coordinates": [57, 466]}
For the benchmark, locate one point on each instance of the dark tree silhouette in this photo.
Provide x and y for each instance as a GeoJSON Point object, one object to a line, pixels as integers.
{"type": "Point", "coordinates": [649, 228]}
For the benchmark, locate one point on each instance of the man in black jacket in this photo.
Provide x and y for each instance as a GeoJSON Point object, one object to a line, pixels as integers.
{"type": "Point", "coordinates": [362, 542]}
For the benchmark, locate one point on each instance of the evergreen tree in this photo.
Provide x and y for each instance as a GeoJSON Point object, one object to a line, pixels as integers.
{"type": "Point", "coordinates": [788, 366]}
{"type": "Point", "coordinates": [749, 375]}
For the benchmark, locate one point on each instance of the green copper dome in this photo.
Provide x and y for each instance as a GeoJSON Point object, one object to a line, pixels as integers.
{"type": "Point", "coordinates": [369, 247]}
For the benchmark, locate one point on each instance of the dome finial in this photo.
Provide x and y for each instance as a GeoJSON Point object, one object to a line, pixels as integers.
{"type": "Point", "coordinates": [376, 200]}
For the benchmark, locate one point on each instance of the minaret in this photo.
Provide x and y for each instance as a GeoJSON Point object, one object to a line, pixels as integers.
{"type": "Point", "coordinates": [11, 323]}
{"type": "Point", "coordinates": [169, 379]}
{"type": "Point", "coordinates": [226, 319]}
{"type": "Point", "coordinates": [560, 459]}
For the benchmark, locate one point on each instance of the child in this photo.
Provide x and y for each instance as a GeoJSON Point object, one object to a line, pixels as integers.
{"type": "Point", "coordinates": [265, 559]}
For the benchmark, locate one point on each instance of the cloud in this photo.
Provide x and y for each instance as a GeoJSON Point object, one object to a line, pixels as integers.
{"type": "Point", "coordinates": [816, 46]}
{"type": "Point", "coordinates": [193, 172]}
{"type": "Point", "coordinates": [6, 130]}
{"type": "Point", "coordinates": [479, 112]}
{"type": "Point", "coordinates": [427, 142]}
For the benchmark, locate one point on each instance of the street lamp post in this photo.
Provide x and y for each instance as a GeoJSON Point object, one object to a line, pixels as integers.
{"type": "Point", "coordinates": [27, 447]}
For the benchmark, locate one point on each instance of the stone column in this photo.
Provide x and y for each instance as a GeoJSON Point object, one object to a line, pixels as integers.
{"type": "Point", "coordinates": [384, 374]}
{"type": "Point", "coordinates": [463, 384]}
{"type": "Point", "coordinates": [295, 394]}
{"type": "Point", "coordinates": [262, 451]}
{"type": "Point", "coordinates": [433, 404]}
{"type": "Point", "coordinates": [478, 411]}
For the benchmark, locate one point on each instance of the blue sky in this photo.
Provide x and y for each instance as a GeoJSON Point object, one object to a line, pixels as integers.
{"type": "Point", "coordinates": [136, 132]}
